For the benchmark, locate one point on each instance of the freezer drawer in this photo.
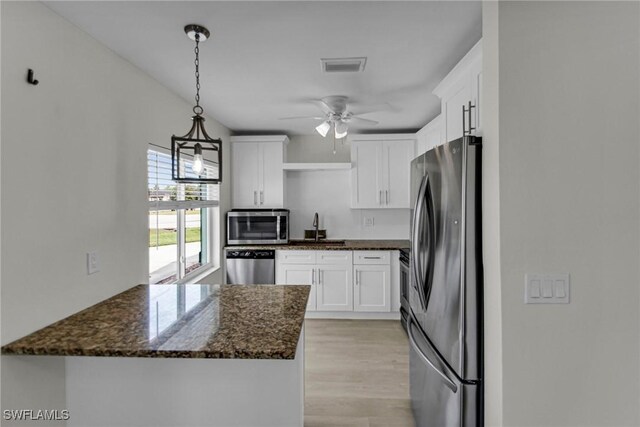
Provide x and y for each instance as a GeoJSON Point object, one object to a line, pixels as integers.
{"type": "Point", "coordinates": [438, 397]}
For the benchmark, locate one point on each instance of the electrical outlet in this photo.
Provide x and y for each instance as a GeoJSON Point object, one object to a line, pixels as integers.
{"type": "Point", "coordinates": [93, 263]}
{"type": "Point", "coordinates": [368, 221]}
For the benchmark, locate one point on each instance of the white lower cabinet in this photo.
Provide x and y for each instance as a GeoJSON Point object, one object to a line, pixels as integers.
{"type": "Point", "coordinates": [341, 281]}
{"type": "Point", "coordinates": [299, 274]}
{"type": "Point", "coordinates": [328, 272]}
{"type": "Point", "coordinates": [334, 291]}
{"type": "Point", "coordinates": [372, 290]}
{"type": "Point", "coordinates": [372, 275]}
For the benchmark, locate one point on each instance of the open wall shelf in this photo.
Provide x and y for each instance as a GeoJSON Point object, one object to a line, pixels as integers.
{"type": "Point", "coordinates": [315, 166]}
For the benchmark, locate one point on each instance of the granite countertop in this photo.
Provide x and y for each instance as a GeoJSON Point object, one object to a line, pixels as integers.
{"type": "Point", "coordinates": [348, 245]}
{"type": "Point", "coordinates": [182, 321]}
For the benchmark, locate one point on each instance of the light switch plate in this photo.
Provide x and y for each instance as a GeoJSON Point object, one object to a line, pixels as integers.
{"type": "Point", "coordinates": [93, 263]}
{"type": "Point", "coordinates": [546, 289]}
{"type": "Point", "coordinates": [368, 221]}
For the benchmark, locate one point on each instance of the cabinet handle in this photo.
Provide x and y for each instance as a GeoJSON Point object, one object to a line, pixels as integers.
{"type": "Point", "coordinates": [386, 192]}
{"type": "Point", "coordinates": [356, 277]}
{"type": "Point", "coordinates": [261, 197]}
{"type": "Point", "coordinates": [255, 198]}
{"type": "Point", "coordinates": [471, 127]}
{"type": "Point", "coordinates": [464, 122]}
{"type": "Point", "coordinates": [466, 112]}
{"type": "Point", "coordinates": [371, 257]}
{"type": "Point", "coordinates": [313, 276]}
{"type": "Point", "coordinates": [380, 199]}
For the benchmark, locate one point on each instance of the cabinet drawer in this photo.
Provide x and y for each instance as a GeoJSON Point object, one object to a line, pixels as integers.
{"type": "Point", "coordinates": [334, 257]}
{"type": "Point", "coordinates": [371, 257]}
{"type": "Point", "coordinates": [295, 257]}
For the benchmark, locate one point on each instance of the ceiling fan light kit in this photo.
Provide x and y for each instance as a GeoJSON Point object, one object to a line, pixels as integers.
{"type": "Point", "coordinates": [323, 128]}
{"type": "Point", "coordinates": [341, 129]}
{"type": "Point", "coordinates": [336, 114]}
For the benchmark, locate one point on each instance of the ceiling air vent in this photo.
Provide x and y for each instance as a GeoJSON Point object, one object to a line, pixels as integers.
{"type": "Point", "coordinates": [343, 65]}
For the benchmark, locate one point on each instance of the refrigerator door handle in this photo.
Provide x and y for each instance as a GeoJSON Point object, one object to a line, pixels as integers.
{"type": "Point", "coordinates": [431, 244]}
{"type": "Point", "coordinates": [448, 382]}
{"type": "Point", "coordinates": [417, 226]}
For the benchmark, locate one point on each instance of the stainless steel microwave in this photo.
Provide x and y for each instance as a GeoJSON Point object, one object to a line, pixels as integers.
{"type": "Point", "coordinates": [257, 226]}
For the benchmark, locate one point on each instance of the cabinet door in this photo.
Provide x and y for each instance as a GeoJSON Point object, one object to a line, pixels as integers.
{"type": "Point", "coordinates": [476, 96]}
{"type": "Point", "coordinates": [421, 142]}
{"type": "Point", "coordinates": [433, 138]}
{"type": "Point", "coordinates": [372, 290]}
{"type": "Point", "coordinates": [244, 170]}
{"type": "Point", "coordinates": [396, 172]}
{"type": "Point", "coordinates": [452, 103]}
{"type": "Point", "coordinates": [271, 191]}
{"type": "Point", "coordinates": [335, 288]}
{"type": "Point", "coordinates": [366, 174]}
{"type": "Point", "coordinates": [299, 274]}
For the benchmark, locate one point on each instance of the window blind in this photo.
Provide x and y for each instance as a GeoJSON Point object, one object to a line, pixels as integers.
{"type": "Point", "coordinates": [165, 194]}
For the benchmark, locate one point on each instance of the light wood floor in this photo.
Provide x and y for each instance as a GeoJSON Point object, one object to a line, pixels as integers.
{"type": "Point", "coordinates": [356, 374]}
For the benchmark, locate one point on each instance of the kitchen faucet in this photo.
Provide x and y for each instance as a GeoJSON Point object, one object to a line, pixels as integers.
{"type": "Point", "coordinates": [316, 224]}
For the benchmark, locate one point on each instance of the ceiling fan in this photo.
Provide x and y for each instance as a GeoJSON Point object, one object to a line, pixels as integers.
{"type": "Point", "coordinates": [336, 115]}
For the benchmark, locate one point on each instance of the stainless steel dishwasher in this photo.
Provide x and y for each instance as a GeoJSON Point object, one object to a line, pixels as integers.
{"type": "Point", "coordinates": [251, 267]}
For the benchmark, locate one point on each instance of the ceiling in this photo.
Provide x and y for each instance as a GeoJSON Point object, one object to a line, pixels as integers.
{"type": "Point", "coordinates": [263, 60]}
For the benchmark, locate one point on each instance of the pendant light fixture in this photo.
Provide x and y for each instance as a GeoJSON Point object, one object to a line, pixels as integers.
{"type": "Point", "coordinates": [190, 146]}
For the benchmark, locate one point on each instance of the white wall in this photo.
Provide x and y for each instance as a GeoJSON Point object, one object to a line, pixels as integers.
{"type": "Point", "coordinates": [73, 180]}
{"type": "Point", "coordinates": [489, 105]}
{"type": "Point", "coordinates": [316, 149]}
{"type": "Point", "coordinates": [329, 194]}
{"type": "Point", "coordinates": [569, 103]}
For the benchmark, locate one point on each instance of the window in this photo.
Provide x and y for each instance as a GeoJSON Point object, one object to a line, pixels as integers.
{"type": "Point", "coordinates": [181, 218]}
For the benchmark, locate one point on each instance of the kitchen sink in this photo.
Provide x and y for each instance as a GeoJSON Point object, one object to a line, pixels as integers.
{"type": "Point", "coordinates": [319, 242]}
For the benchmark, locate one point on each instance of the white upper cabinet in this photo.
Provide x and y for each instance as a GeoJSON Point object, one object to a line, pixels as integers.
{"type": "Point", "coordinates": [244, 171]}
{"type": "Point", "coordinates": [463, 85]}
{"type": "Point", "coordinates": [380, 170]}
{"type": "Point", "coordinates": [430, 136]}
{"type": "Point", "coordinates": [366, 174]}
{"type": "Point", "coordinates": [476, 95]}
{"type": "Point", "coordinates": [256, 171]}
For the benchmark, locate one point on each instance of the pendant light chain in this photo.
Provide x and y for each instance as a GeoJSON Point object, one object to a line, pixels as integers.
{"type": "Point", "coordinates": [197, 109]}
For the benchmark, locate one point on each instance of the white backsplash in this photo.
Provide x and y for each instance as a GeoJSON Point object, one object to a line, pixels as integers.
{"type": "Point", "coordinates": [329, 194]}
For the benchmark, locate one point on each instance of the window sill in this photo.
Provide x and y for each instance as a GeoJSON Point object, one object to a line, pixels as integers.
{"type": "Point", "coordinates": [197, 276]}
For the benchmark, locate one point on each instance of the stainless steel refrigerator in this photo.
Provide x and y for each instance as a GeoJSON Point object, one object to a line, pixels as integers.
{"type": "Point", "coordinates": [445, 323]}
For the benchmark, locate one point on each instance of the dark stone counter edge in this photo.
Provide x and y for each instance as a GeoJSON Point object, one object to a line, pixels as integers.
{"type": "Point", "coordinates": [157, 354]}
{"type": "Point", "coordinates": [348, 246]}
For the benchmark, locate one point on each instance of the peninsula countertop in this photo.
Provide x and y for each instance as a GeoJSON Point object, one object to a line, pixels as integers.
{"type": "Point", "coordinates": [180, 321]}
{"type": "Point", "coordinates": [331, 245]}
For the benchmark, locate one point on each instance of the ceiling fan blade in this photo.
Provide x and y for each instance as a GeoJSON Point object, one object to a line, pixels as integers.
{"type": "Point", "coordinates": [326, 108]}
{"type": "Point", "coordinates": [302, 117]}
{"type": "Point", "coordinates": [361, 119]}
{"type": "Point", "coordinates": [375, 108]}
